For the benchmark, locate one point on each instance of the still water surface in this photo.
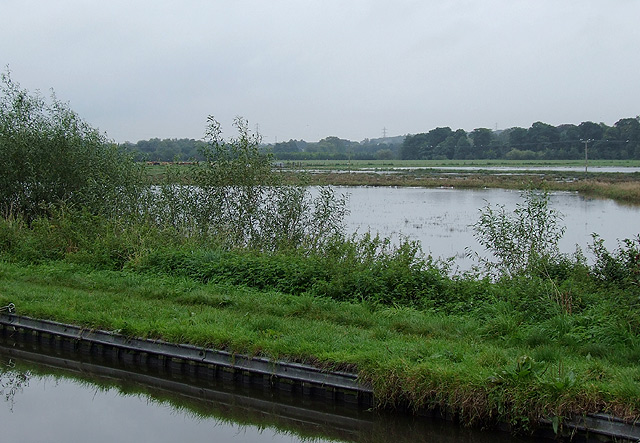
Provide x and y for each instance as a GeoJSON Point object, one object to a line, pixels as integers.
{"type": "Point", "coordinates": [61, 399]}
{"type": "Point", "coordinates": [442, 219]}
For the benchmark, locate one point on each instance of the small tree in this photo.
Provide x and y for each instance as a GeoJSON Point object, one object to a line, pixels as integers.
{"type": "Point", "coordinates": [523, 239]}
{"type": "Point", "coordinates": [239, 200]}
{"type": "Point", "coordinates": [51, 157]}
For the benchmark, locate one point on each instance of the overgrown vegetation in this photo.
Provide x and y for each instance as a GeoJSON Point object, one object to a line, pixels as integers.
{"type": "Point", "coordinates": [226, 254]}
{"type": "Point", "coordinates": [237, 199]}
{"type": "Point", "coordinates": [524, 241]}
{"type": "Point", "coordinates": [51, 159]}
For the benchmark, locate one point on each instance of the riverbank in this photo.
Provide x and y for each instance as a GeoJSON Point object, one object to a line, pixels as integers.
{"type": "Point", "coordinates": [335, 402]}
{"type": "Point", "coordinates": [481, 356]}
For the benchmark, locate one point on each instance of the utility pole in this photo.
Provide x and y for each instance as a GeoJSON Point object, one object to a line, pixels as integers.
{"type": "Point", "coordinates": [586, 156]}
{"type": "Point", "coordinates": [384, 132]}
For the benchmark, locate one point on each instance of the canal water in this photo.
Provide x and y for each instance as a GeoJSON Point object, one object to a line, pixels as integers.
{"type": "Point", "coordinates": [442, 219]}
{"type": "Point", "coordinates": [47, 397]}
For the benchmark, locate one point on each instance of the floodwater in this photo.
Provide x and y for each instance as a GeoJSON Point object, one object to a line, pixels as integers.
{"type": "Point", "coordinates": [442, 219]}
{"type": "Point", "coordinates": [495, 169]}
{"type": "Point", "coordinates": [48, 397]}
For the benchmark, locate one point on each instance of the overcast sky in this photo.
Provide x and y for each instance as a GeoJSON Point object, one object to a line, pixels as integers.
{"type": "Point", "coordinates": [310, 69]}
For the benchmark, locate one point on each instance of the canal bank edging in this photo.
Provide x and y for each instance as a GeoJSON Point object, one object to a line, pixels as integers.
{"type": "Point", "coordinates": [274, 374]}
{"type": "Point", "coordinates": [295, 415]}
{"type": "Point", "coordinates": [338, 386]}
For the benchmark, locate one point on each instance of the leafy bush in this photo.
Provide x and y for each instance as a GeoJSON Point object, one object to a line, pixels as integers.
{"type": "Point", "coordinates": [51, 157]}
{"type": "Point", "coordinates": [354, 270]}
{"type": "Point", "coordinates": [622, 266]}
{"type": "Point", "coordinates": [371, 268]}
{"type": "Point", "coordinates": [290, 273]}
{"type": "Point", "coordinates": [523, 240]}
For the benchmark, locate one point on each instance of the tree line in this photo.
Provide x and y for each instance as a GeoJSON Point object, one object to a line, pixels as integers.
{"type": "Point", "coordinates": [541, 141]}
{"type": "Point", "coordinates": [166, 150]}
{"type": "Point", "coordinates": [329, 148]}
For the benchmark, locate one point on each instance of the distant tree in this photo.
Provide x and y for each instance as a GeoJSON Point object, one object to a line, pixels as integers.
{"type": "Point", "coordinates": [438, 135]}
{"type": "Point", "coordinates": [541, 134]}
{"type": "Point", "coordinates": [445, 149]}
{"type": "Point", "coordinates": [384, 154]}
{"type": "Point", "coordinates": [463, 150]}
{"type": "Point", "coordinates": [290, 146]}
{"type": "Point", "coordinates": [568, 133]}
{"type": "Point", "coordinates": [567, 145]}
{"type": "Point", "coordinates": [518, 137]}
{"type": "Point", "coordinates": [412, 145]}
{"type": "Point", "coordinates": [481, 137]}
{"type": "Point", "coordinates": [628, 129]}
{"type": "Point", "coordinates": [590, 131]}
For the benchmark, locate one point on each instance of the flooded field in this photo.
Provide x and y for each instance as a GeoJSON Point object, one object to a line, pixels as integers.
{"type": "Point", "coordinates": [442, 219]}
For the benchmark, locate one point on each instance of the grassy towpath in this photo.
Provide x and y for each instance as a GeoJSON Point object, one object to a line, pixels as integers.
{"type": "Point", "coordinates": [485, 366]}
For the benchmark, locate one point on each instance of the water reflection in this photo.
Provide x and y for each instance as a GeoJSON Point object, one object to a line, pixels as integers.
{"type": "Point", "coordinates": [72, 400]}
{"type": "Point", "coordinates": [12, 381]}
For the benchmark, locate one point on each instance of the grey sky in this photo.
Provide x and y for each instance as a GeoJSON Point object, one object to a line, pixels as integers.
{"type": "Point", "coordinates": [310, 69]}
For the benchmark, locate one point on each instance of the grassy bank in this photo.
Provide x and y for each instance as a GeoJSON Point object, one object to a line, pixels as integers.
{"type": "Point", "coordinates": [490, 363]}
{"type": "Point", "coordinates": [556, 343]}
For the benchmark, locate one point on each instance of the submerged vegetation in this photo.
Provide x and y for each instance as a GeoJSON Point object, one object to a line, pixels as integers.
{"type": "Point", "coordinates": [227, 254]}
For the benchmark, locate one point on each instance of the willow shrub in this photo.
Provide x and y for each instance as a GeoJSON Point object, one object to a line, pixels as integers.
{"type": "Point", "coordinates": [52, 158]}
{"type": "Point", "coordinates": [524, 240]}
{"type": "Point", "coordinates": [236, 197]}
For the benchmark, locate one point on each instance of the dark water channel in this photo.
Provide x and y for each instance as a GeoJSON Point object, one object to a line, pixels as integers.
{"type": "Point", "coordinates": [442, 219]}
{"type": "Point", "coordinates": [52, 397]}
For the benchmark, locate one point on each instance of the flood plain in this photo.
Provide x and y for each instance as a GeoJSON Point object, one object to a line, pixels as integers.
{"type": "Point", "coordinates": [442, 219]}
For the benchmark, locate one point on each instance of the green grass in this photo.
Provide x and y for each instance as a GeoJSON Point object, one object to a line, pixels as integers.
{"type": "Point", "coordinates": [464, 362]}
{"type": "Point", "coordinates": [388, 164]}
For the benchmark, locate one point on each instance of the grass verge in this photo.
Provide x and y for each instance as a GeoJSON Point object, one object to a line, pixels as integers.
{"type": "Point", "coordinates": [486, 365]}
